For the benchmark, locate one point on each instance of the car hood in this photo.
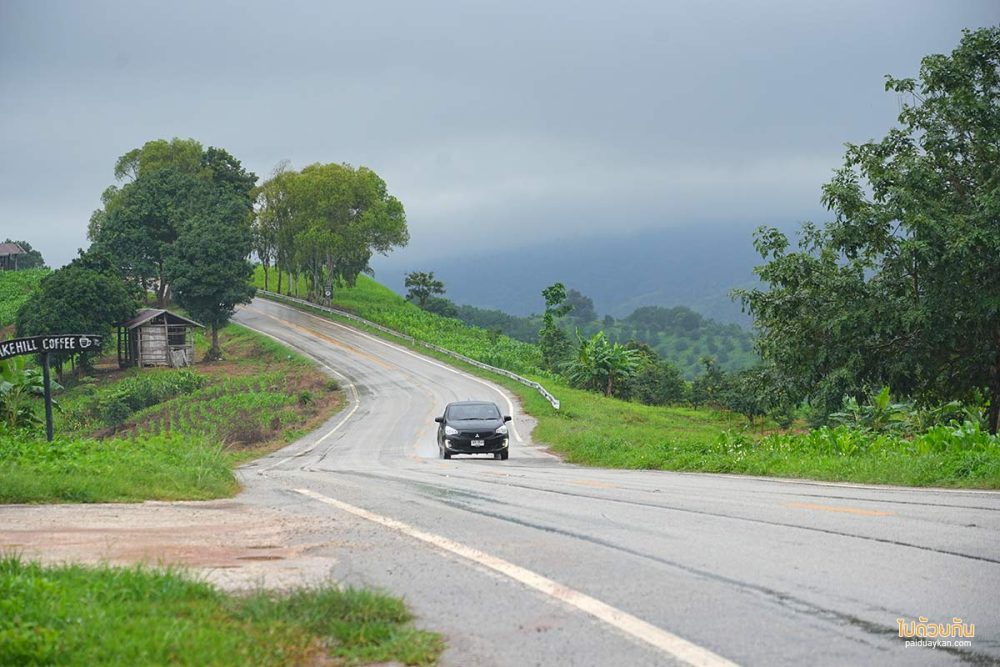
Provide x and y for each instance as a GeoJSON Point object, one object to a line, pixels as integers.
{"type": "Point", "coordinates": [483, 425]}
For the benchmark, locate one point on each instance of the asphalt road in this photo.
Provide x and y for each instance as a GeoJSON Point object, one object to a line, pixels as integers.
{"type": "Point", "coordinates": [532, 561]}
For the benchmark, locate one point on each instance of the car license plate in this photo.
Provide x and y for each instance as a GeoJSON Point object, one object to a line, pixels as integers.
{"type": "Point", "coordinates": [478, 443]}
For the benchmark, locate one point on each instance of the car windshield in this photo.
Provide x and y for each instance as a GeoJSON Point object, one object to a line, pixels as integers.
{"type": "Point", "coordinates": [470, 412]}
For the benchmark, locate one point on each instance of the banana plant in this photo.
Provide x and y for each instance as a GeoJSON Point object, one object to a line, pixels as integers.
{"type": "Point", "coordinates": [19, 387]}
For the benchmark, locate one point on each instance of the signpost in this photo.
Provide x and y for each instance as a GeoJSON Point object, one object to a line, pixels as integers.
{"type": "Point", "coordinates": [44, 345]}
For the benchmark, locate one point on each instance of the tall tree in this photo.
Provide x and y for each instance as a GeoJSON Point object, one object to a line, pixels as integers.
{"type": "Point", "coordinates": [166, 182]}
{"type": "Point", "coordinates": [421, 286]}
{"type": "Point", "coordinates": [901, 288]}
{"type": "Point", "coordinates": [344, 215]}
{"type": "Point", "coordinates": [208, 265]}
{"type": "Point", "coordinates": [552, 340]}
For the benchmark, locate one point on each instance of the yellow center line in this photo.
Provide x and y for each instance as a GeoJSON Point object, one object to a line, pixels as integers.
{"type": "Point", "coordinates": [843, 510]}
{"type": "Point", "coordinates": [323, 337]}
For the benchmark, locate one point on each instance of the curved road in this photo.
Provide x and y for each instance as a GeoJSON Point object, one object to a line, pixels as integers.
{"type": "Point", "coordinates": [532, 561]}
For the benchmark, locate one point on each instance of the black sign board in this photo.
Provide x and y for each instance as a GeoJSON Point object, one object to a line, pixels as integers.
{"type": "Point", "coordinates": [71, 343]}
{"type": "Point", "coordinates": [43, 345]}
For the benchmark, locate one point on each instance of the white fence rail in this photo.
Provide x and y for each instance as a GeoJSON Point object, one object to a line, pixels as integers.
{"type": "Point", "coordinates": [455, 355]}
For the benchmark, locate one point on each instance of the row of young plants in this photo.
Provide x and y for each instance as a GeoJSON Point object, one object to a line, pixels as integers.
{"type": "Point", "coordinates": [16, 287]}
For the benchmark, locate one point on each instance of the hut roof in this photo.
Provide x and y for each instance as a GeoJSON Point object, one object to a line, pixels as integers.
{"type": "Point", "coordinates": [7, 249]}
{"type": "Point", "coordinates": [148, 314]}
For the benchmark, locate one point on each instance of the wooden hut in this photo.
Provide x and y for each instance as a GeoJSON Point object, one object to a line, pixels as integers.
{"type": "Point", "coordinates": [9, 253]}
{"type": "Point", "coordinates": [156, 338]}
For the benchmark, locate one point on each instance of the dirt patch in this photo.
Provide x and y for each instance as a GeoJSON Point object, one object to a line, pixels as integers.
{"type": "Point", "coordinates": [228, 543]}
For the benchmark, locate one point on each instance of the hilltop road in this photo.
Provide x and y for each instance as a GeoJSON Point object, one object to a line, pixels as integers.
{"type": "Point", "coordinates": [532, 561]}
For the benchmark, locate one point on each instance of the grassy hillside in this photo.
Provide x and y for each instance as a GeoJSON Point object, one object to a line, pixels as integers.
{"type": "Point", "coordinates": [593, 430]}
{"type": "Point", "coordinates": [168, 434]}
{"type": "Point", "coordinates": [380, 304]}
{"type": "Point", "coordinates": [15, 288]}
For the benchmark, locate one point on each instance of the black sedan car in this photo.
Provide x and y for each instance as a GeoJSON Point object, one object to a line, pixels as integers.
{"type": "Point", "coordinates": [472, 427]}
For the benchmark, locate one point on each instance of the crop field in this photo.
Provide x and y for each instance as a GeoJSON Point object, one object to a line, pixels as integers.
{"type": "Point", "coordinates": [168, 434]}
{"type": "Point", "coordinates": [15, 288]}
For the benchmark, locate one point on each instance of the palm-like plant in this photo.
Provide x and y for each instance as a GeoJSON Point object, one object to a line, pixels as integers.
{"type": "Point", "coordinates": [601, 365]}
{"type": "Point", "coordinates": [19, 386]}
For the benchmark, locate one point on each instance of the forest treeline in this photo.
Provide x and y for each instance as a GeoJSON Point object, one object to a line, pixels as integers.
{"type": "Point", "coordinates": [679, 335]}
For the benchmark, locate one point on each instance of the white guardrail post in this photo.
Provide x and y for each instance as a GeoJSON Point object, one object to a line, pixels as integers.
{"type": "Point", "coordinates": [455, 355]}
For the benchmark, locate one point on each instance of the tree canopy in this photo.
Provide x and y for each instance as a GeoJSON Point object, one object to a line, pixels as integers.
{"type": "Point", "coordinates": [84, 297]}
{"type": "Point", "coordinates": [326, 222]}
{"type": "Point", "coordinates": [167, 184]}
{"type": "Point", "coordinates": [421, 286]}
{"type": "Point", "coordinates": [902, 287]}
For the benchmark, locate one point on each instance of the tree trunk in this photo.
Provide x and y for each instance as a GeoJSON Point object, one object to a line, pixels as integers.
{"type": "Point", "coordinates": [161, 287]}
{"type": "Point", "coordinates": [279, 279]}
{"type": "Point", "coordinates": [265, 276]}
{"type": "Point", "coordinates": [994, 417]}
{"type": "Point", "coordinates": [329, 281]}
{"type": "Point", "coordinates": [214, 353]}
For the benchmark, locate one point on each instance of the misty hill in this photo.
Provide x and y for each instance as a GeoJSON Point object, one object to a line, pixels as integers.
{"type": "Point", "coordinates": [694, 267]}
{"type": "Point", "coordinates": [679, 334]}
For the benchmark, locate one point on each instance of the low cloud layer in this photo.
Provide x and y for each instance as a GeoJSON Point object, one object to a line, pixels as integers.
{"type": "Point", "coordinates": [492, 122]}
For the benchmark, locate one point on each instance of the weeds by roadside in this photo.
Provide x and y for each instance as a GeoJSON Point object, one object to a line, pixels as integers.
{"type": "Point", "coordinates": [168, 434]}
{"type": "Point", "coordinates": [75, 615]}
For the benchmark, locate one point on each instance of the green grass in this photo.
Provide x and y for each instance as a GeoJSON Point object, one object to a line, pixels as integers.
{"type": "Point", "coordinates": [16, 287]}
{"type": "Point", "coordinates": [168, 434]}
{"type": "Point", "coordinates": [112, 470]}
{"type": "Point", "coordinates": [376, 303]}
{"type": "Point", "coordinates": [594, 430]}
{"type": "Point", "coordinates": [74, 615]}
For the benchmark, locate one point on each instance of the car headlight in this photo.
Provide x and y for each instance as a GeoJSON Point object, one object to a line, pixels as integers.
{"type": "Point", "coordinates": [450, 431]}
{"type": "Point", "coordinates": [502, 430]}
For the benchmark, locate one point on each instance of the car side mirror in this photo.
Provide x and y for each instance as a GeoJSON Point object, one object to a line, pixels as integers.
{"type": "Point", "coordinates": [506, 418]}
{"type": "Point", "coordinates": [439, 420]}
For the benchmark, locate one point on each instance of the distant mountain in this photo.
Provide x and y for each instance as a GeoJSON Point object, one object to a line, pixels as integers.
{"type": "Point", "coordinates": [694, 267]}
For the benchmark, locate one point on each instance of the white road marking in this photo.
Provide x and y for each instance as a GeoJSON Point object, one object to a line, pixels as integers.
{"type": "Point", "coordinates": [668, 643]}
{"type": "Point", "coordinates": [510, 405]}
{"type": "Point", "coordinates": [351, 388]}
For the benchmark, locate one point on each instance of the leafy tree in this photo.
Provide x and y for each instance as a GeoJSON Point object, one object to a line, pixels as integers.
{"type": "Point", "coordinates": [140, 227]}
{"type": "Point", "coordinates": [601, 365]}
{"type": "Point", "coordinates": [441, 306]}
{"type": "Point", "coordinates": [552, 340]}
{"type": "Point", "coordinates": [421, 287]}
{"type": "Point", "coordinates": [901, 288]}
{"type": "Point", "coordinates": [581, 307]}
{"type": "Point", "coordinates": [712, 386]}
{"type": "Point", "coordinates": [208, 264]}
{"type": "Point", "coordinates": [655, 381]}
{"type": "Point", "coordinates": [166, 182]}
{"type": "Point", "coordinates": [337, 217]}
{"type": "Point", "coordinates": [31, 259]}
{"type": "Point", "coordinates": [77, 300]}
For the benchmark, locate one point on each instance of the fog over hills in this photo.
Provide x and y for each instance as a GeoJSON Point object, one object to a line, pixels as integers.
{"type": "Point", "coordinates": [694, 266]}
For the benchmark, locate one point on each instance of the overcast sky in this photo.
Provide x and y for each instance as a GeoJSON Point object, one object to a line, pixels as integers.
{"type": "Point", "coordinates": [522, 121]}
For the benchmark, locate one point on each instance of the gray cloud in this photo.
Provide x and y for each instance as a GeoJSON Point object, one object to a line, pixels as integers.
{"type": "Point", "coordinates": [521, 121]}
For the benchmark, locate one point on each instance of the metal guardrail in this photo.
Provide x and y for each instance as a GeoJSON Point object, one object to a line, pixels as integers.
{"type": "Point", "coordinates": [274, 296]}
